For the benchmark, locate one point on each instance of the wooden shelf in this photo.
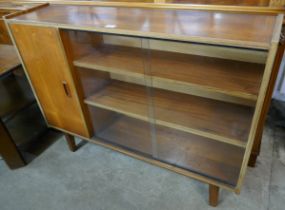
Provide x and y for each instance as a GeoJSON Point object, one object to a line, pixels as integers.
{"type": "Point", "coordinates": [213, 119]}
{"type": "Point", "coordinates": [216, 160]}
{"type": "Point", "coordinates": [186, 72]}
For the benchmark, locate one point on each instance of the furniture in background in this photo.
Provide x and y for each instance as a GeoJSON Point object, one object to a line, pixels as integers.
{"type": "Point", "coordinates": [8, 149]}
{"type": "Point", "coordinates": [21, 121]}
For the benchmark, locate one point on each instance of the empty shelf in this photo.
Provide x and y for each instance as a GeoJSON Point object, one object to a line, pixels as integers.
{"type": "Point", "coordinates": [213, 119]}
{"type": "Point", "coordinates": [216, 160]}
{"type": "Point", "coordinates": [228, 77]}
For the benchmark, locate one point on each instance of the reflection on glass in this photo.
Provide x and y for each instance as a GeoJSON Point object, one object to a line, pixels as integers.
{"type": "Point", "coordinates": [182, 103]}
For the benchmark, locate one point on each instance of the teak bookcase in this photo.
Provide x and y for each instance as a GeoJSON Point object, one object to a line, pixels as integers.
{"type": "Point", "coordinates": [180, 89]}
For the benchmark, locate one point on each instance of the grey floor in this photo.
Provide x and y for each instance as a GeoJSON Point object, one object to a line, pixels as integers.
{"type": "Point", "coordinates": [98, 178]}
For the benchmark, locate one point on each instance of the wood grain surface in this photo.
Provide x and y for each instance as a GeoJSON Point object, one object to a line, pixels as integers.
{"type": "Point", "coordinates": [217, 160]}
{"type": "Point", "coordinates": [191, 71]}
{"type": "Point", "coordinates": [48, 70]}
{"type": "Point", "coordinates": [205, 117]}
{"type": "Point", "coordinates": [248, 30]}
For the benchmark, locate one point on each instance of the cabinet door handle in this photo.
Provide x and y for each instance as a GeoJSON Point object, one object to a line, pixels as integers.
{"type": "Point", "coordinates": [66, 88]}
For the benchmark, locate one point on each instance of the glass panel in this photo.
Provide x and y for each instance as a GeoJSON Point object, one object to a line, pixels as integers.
{"type": "Point", "coordinates": [114, 88]}
{"type": "Point", "coordinates": [203, 99]}
{"type": "Point", "coordinates": [185, 104]}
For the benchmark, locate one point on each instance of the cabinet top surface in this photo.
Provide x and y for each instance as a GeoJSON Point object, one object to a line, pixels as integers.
{"type": "Point", "coordinates": [15, 6]}
{"type": "Point", "coordinates": [236, 29]}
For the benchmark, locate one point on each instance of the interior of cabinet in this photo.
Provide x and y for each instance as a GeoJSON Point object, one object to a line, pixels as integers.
{"type": "Point", "coordinates": [218, 161]}
{"type": "Point", "coordinates": [191, 71]}
{"type": "Point", "coordinates": [209, 118]}
{"type": "Point", "coordinates": [167, 100]}
{"type": "Point", "coordinates": [181, 67]}
{"type": "Point", "coordinates": [128, 125]}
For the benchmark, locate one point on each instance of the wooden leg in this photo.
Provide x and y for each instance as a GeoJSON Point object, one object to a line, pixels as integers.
{"type": "Point", "coordinates": [252, 160]}
{"type": "Point", "coordinates": [71, 142]}
{"type": "Point", "coordinates": [256, 146]}
{"type": "Point", "coordinates": [213, 195]}
{"type": "Point", "coordinates": [9, 150]}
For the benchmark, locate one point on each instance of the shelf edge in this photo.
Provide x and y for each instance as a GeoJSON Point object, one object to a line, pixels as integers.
{"type": "Point", "coordinates": [156, 83]}
{"type": "Point", "coordinates": [212, 136]}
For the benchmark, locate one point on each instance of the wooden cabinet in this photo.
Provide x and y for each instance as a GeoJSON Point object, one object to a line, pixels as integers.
{"type": "Point", "coordinates": [45, 61]}
{"type": "Point", "coordinates": [21, 121]}
{"type": "Point", "coordinates": [186, 97]}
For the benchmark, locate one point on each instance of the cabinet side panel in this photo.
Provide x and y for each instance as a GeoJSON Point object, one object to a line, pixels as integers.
{"type": "Point", "coordinates": [261, 96]}
{"type": "Point", "coordinates": [45, 62]}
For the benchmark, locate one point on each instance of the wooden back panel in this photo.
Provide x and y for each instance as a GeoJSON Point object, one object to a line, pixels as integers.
{"type": "Point", "coordinates": [45, 61]}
